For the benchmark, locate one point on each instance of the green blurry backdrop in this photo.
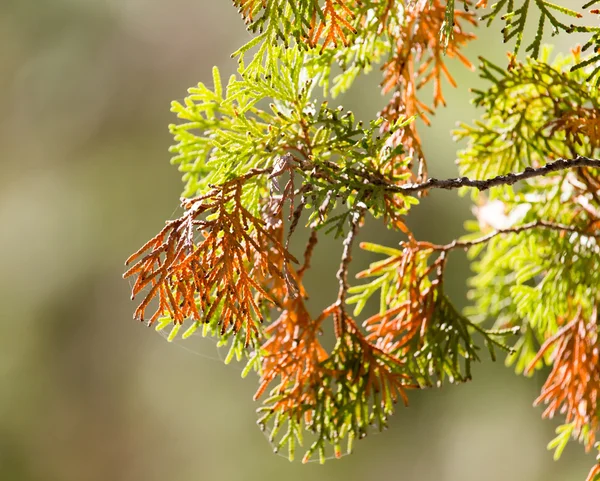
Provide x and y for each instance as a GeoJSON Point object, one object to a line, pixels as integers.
{"type": "Point", "coordinates": [87, 394]}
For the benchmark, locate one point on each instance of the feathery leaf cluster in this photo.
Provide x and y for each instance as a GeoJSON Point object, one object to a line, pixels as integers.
{"type": "Point", "coordinates": [263, 152]}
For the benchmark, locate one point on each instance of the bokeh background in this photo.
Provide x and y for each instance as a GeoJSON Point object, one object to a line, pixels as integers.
{"type": "Point", "coordinates": [87, 394]}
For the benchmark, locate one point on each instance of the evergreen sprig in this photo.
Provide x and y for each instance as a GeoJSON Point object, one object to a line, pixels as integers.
{"type": "Point", "coordinates": [516, 15]}
{"type": "Point", "coordinates": [535, 112]}
{"type": "Point", "coordinates": [263, 154]}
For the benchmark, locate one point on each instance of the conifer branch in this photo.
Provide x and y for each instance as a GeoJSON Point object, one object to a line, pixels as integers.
{"type": "Point", "coordinates": [225, 266]}
{"type": "Point", "coordinates": [453, 183]}
{"type": "Point", "coordinates": [538, 224]}
{"type": "Point", "coordinates": [506, 179]}
{"type": "Point", "coordinates": [340, 317]}
{"type": "Point", "coordinates": [308, 251]}
{"type": "Point", "coordinates": [342, 273]}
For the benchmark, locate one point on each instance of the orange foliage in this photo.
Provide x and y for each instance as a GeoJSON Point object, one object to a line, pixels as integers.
{"type": "Point", "coordinates": [305, 373]}
{"type": "Point", "coordinates": [329, 23]}
{"type": "Point", "coordinates": [573, 385]}
{"type": "Point", "coordinates": [581, 126]}
{"type": "Point", "coordinates": [336, 16]}
{"type": "Point", "coordinates": [194, 279]}
{"type": "Point", "coordinates": [418, 61]}
{"type": "Point", "coordinates": [594, 473]}
{"type": "Point", "coordinates": [394, 329]}
{"type": "Point", "coordinates": [247, 7]}
{"type": "Point", "coordinates": [293, 353]}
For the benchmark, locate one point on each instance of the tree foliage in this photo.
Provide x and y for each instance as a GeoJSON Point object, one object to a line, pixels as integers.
{"type": "Point", "coordinates": [262, 151]}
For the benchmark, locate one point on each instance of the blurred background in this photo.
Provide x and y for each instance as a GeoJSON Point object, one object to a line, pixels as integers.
{"type": "Point", "coordinates": [87, 394]}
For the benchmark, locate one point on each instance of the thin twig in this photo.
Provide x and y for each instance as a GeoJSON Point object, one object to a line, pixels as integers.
{"type": "Point", "coordinates": [551, 340]}
{"type": "Point", "coordinates": [342, 273]}
{"type": "Point", "coordinates": [465, 244]}
{"type": "Point", "coordinates": [458, 182]}
{"type": "Point", "coordinates": [310, 246]}
{"type": "Point", "coordinates": [446, 184]}
{"type": "Point", "coordinates": [507, 179]}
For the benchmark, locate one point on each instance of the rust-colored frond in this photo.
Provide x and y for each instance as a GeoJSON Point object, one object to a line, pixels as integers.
{"type": "Point", "coordinates": [573, 385]}
{"type": "Point", "coordinates": [385, 373]}
{"type": "Point", "coordinates": [273, 223]}
{"type": "Point", "coordinates": [292, 355]}
{"type": "Point", "coordinates": [395, 327]}
{"type": "Point", "coordinates": [419, 55]}
{"type": "Point", "coordinates": [417, 323]}
{"type": "Point", "coordinates": [248, 8]}
{"type": "Point", "coordinates": [399, 106]}
{"type": "Point", "coordinates": [331, 25]}
{"type": "Point", "coordinates": [418, 60]}
{"type": "Point", "coordinates": [329, 22]}
{"type": "Point", "coordinates": [394, 205]}
{"type": "Point", "coordinates": [594, 473]}
{"type": "Point", "coordinates": [322, 390]}
{"type": "Point", "coordinates": [387, 12]}
{"type": "Point", "coordinates": [217, 273]}
{"type": "Point", "coordinates": [581, 126]}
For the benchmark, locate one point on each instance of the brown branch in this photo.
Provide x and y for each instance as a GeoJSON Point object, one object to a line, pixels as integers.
{"type": "Point", "coordinates": [551, 340]}
{"type": "Point", "coordinates": [310, 246]}
{"type": "Point", "coordinates": [507, 179]}
{"type": "Point", "coordinates": [446, 184]}
{"type": "Point", "coordinates": [458, 244]}
{"type": "Point", "coordinates": [458, 182]}
{"type": "Point", "coordinates": [342, 273]}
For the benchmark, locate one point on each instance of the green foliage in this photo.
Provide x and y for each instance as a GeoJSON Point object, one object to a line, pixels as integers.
{"type": "Point", "coordinates": [517, 15]}
{"type": "Point", "coordinates": [226, 134]}
{"type": "Point", "coordinates": [417, 323]}
{"type": "Point", "coordinates": [527, 109]}
{"type": "Point", "coordinates": [358, 389]}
